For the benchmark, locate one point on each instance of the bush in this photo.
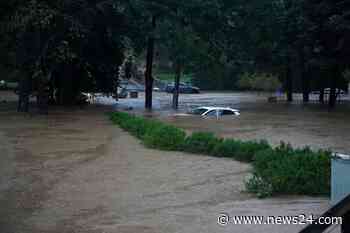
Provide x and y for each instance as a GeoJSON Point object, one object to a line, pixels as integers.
{"type": "Point", "coordinates": [137, 126]}
{"type": "Point", "coordinates": [241, 151]}
{"type": "Point", "coordinates": [164, 137]}
{"type": "Point", "coordinates": [227, 148]}
{"type": "Point", "coordinates": [247, 150]}
{"type": "Point", "coordinates": [259, 186]}
{"type": "Point", "coordinates": [287, 171]}
{"type": "Point", "coordinates": [201, 142]}
{"type": "Point", "coordinates": [140, 127]}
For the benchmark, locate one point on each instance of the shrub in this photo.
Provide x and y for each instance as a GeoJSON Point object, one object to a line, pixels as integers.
{"type": "Point", "coordinates": [247, 150]}
{"type": "Point", "coordinates": [164, 137]}
{"type": "Point", "coordinates": [241, 151]}
{"type": "Point", "coordinates": [287, 171]}
{"type": "Point", "coordinates": [227, 148]}
{"type": "Point", "coordinates": [121, 118]}
{"type": "Point", "coordinates": [259, 186]}
{"type": "Point", "coordinates": [201, 142]}
{"type": "Point", "coordinates": [137, 126]}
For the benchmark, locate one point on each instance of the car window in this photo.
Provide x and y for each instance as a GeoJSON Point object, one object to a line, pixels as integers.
{"type": "Point", "coordinates": [199, 111]}
{"type": "Point", "coordinates": [211, 113]}
{"type": "Point", "coordinates": [226, 112]}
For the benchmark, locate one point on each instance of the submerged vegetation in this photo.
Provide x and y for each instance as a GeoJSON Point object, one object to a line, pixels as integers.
{"type": "Point", "coordinates": [280, 170]}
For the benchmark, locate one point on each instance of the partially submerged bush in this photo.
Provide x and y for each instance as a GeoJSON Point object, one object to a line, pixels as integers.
{"type": "Point", "coordinates": [227, 148]}
{"type": "Point", "coordinates": [255, 184]}
{"type": "Point", "coordinates": [241, 151]}
{"type": "Point", "coordinates": [164, 137]}
{"type": "Point", "coordinates": [201, 142]}
{"type": "Point", "coordinates": [137, 126]}
{"type": "Point", "coordinates": [287, 171]}
{"type": "Point", "coordinates": [247, 150]}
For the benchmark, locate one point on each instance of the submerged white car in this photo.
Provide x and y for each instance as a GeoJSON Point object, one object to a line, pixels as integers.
{"type": "Point", "coordinates": [215, 111]}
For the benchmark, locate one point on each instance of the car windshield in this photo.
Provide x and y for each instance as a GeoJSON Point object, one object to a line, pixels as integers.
{"type": "Point", "coordinates": [199, 111]}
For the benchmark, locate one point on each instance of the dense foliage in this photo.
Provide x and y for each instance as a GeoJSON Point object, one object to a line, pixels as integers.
{"type": "Point", "coordinates": [164, 137]}
{"type": "Point", "coordinates": [259, 82]}
{"type": "Point", "coordinates": [48, 44]}
{"type": "Point", "coordinates": [281, 170]}
{"type": "Point", "coordinates": [285, 170]}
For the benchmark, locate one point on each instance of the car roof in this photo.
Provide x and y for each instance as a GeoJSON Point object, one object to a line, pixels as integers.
{"type": "Point", "coordinates": [182, 83]}
{"type": "Point", "coordinates": [218, 108]}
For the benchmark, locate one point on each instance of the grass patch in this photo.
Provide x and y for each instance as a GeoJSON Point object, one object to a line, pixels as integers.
{"type": "Point", "coordinates": [281, 170]}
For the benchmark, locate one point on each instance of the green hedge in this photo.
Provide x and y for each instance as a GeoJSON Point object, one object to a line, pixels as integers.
{"type": "Point", "coordinates": [285, 170]}
{"type": "Point", "coordinates": [281, 170]}
{"type": "Point", "coordinates": [137, 126]}
{"type": "Point", "coordinates": [201, 142]}
{"type": "Point", "coordinates": [239, 150]}
{"type": "Point", "coordinates": [165, 137]}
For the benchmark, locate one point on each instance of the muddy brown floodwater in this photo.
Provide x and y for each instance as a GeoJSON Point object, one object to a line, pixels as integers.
{"type": "Point", "coordinates": [300, 125]}
{"type": "Point", "coordinates": [74, 171]}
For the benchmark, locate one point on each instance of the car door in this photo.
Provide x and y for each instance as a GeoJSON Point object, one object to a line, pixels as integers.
{"type": "Point", "coordinates": [211, 113]}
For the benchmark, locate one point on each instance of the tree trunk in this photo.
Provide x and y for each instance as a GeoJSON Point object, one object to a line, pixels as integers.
{"type": "Point", "coordinates": [52, 92]}
{"type": "Point", "coordinates": [43, 96]}
{"type": "Point", "coordinates": [306, 93]}
{"type": "Point", "coordinates": [304, 76]}
{"type": "Point", "coordinates": [68, 94]}
{"type": "Point", "coordinates": [333, 95]}
{"type": "Point", "coordinates": [43, 102]}
{"type": "Point", "coordinates": [289, 84]}
{"type": "Point", "coordinates": [149, 65]}
{"type": "Point", "coordinates": [321, 97]}
{"type": "Point", "coordinates": [24, 89]}
{"type": "Point", "coordinates": [176, 86]}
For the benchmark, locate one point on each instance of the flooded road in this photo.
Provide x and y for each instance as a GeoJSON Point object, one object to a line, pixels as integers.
{"type": "Point", "coordinates": [74, 171]}
{"type": "Point", "coordinates": [297, 124]}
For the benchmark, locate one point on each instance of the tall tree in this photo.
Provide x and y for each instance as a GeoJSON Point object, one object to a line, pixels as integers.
{"type": "Point", "coordinates": [330, 33]}
{"type": "Point", "coordinates": [179, 39]}
{"type": "Point", "coordinates": [70, 36]}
